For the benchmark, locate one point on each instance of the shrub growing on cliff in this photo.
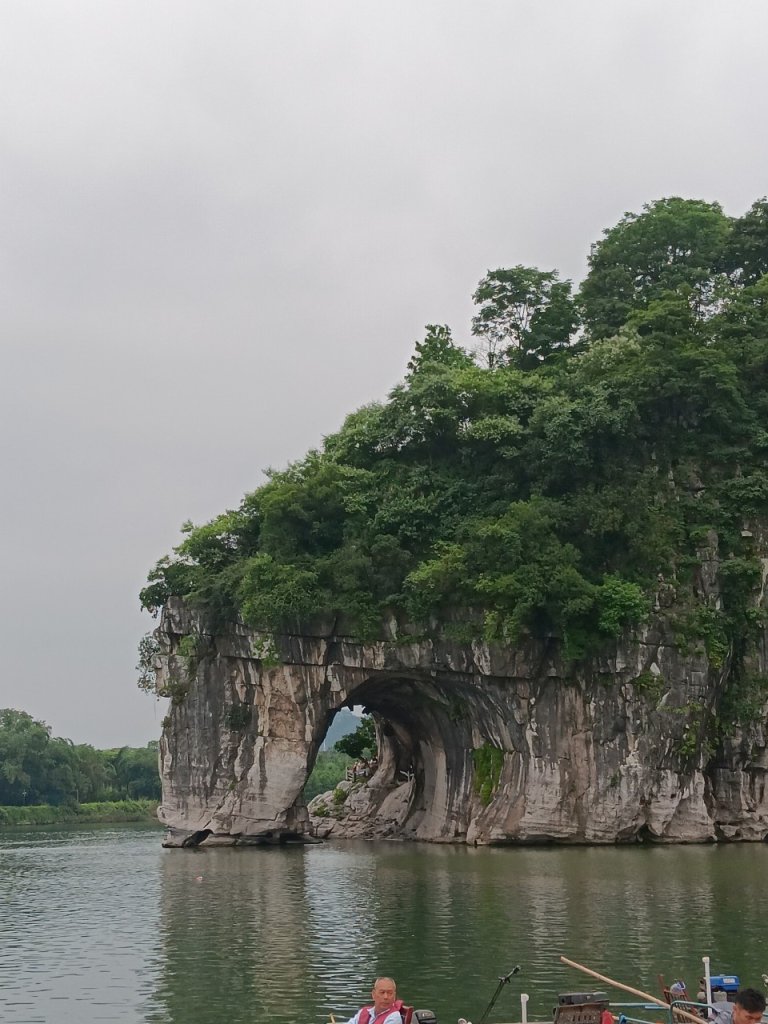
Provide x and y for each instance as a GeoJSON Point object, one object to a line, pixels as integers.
{"type": "Point", "coordinates": [488, 761]}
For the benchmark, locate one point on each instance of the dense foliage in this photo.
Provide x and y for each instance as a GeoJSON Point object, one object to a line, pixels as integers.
{"type": "Point", "coordinates": [544, 483]}
{"type": "Point", "coordinates": [361, 743]}
{"type": "Point", "coordinates": [37, 768]}
{"type": "Point", "coordinates": [330, 768]}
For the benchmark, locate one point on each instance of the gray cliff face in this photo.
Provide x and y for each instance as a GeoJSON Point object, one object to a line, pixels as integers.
{"type": "Point", "coordinates": [604, 754]}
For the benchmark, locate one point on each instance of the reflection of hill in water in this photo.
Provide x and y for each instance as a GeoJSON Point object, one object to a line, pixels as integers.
{"type": "Point", "coordinates": [242, 931]}
{"type": "Point", "coordinates": [102, 925]}
{"type": "Point", "coordinates": [287, 935]}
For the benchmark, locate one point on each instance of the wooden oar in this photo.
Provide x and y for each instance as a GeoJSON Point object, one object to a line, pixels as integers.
{"type": "Point", "coordinates": [633, 991]}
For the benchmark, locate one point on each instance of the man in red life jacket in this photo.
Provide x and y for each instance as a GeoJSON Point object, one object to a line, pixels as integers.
{"type": "Point", "coordinates": [386, 1005]}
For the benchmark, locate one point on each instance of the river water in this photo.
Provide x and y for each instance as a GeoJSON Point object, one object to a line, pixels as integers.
{"type": "Point", "coordinates": [101, 924]}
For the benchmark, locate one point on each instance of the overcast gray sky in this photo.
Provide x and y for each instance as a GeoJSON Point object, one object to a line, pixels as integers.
{"type": "Point", "coordinates": [225, 224]}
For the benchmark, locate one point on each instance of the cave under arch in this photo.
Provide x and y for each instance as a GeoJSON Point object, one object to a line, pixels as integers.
{"type": "Point", "coordinates": [425, 746]}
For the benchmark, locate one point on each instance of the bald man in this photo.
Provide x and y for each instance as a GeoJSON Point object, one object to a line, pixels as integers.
{"type": "Point", "coordinates": [385, 1009]}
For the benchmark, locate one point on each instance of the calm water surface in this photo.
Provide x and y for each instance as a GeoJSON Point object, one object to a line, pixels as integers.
{"type": "Point", "coordinates": [101, 924]}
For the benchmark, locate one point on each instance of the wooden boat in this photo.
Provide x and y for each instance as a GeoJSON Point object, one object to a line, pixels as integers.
{"type": "Point", "coordinates": [593, 1007]}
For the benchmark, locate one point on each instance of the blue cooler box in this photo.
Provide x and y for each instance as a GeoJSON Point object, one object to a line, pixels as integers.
{"type": "Point", "coordinates": [724, 982]}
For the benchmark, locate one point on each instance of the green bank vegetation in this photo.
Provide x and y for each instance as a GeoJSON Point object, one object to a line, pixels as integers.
{"type": "Point", "coordinates": [44, 778]}
{"type": "Point", "coordinates": [587, 447]}
{"type": "Point", "coordinates": [80, 814]}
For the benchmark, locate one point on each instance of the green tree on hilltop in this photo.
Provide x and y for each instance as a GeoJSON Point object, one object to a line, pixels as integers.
{"type": "Point", "coordinates": [545, 492]}
{"type": "Point", "coordinates": [525, 316]}
{"type": "Point", "coordinates": [673, 243]}
{"type": "Point", "coordinates": [745, 254]}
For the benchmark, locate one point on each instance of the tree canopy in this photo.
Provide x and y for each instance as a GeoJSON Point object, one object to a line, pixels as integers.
{"type": "Point", "coordinates": [525, 316]}
{"type": "Point", "coordinates": [546, 490]}
{"type": "Point", "coordinates": [673, 245]}
{"type": "Point", "coordinates": [361, 743]}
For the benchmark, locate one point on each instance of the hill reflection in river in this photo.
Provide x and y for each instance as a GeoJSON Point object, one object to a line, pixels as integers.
{"type": "Point", "coordinates": [103, 926]}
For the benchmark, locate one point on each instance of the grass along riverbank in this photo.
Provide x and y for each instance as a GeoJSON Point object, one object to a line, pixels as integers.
{"type": "Point", "coordinates": [81, 814]}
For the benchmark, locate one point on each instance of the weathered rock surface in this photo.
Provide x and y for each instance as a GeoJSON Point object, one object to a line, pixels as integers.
{"type": "Point", "coordinates": [600, 754]}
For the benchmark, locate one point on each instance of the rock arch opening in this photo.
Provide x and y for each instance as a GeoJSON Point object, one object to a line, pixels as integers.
{"type": "Point", "coordinates": [424, 744]}
{"type": "Point", "coordinates": [243, 734]}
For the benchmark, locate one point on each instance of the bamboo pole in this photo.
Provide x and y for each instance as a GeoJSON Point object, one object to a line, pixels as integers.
{"type": "Point", "coordinates": [632, 991]}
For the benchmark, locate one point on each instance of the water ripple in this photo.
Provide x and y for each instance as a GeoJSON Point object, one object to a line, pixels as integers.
{"type": "Point", "coordinates": [102, 925]}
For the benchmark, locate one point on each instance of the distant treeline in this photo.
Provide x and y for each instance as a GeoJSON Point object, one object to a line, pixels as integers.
{"type": "Point", "coordinates": [37, 768]}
